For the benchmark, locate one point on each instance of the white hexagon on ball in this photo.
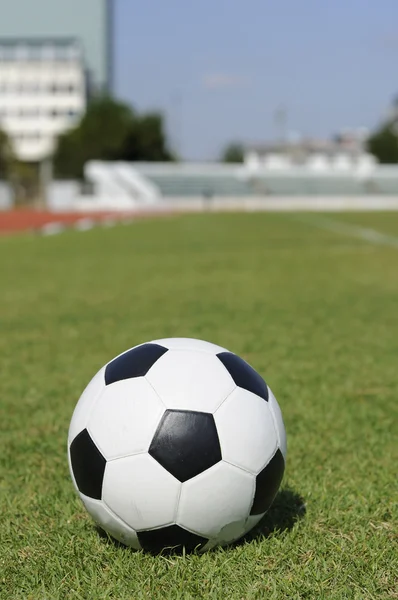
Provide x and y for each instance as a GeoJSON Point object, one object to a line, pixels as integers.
{"type": "Point", "coordinates": [246, 430]}
{"type": "Point", "coordinates": [86, 403]}
{"type": "Point", "coordinates": [190, 344]}
{"type": "Point", "coordinates": [191, 380]}
{"type": "Point", "coordinates": [141, 492]}
{"type": "Point", "coordinates": [279, 424]}
{"type": "Point", "coordinates": [216, 503]}
{"type": "Point", "coordinates": [110, 523]}
{"type": "Point", "coordinates": [125, 418]}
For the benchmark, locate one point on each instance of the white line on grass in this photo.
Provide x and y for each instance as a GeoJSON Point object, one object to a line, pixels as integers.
{"type": "Point", "coordinates": [84, 224]}
{"type": "Point", "coordinates": [354, 231]}
{"type": "Point", "coordinates": [53, 228]}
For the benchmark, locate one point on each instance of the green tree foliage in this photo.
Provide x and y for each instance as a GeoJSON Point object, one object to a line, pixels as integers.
{"type": "Point", "coordinates": [233, 153]}
{"type": "Point", "coordinates": [383, 144]}
{"type": "Point", "coordinates": [22, 176]}
{"type": "Point", "coordinates": [26, 182]}
{"type": "Point", "coordinates": [146, 140]}
{"type": "Point", "coordinates": [110, 130]}
{"type": "Point", "coordinates": [6, 155]}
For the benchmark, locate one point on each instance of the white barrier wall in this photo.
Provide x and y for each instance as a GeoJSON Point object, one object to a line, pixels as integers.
{"type": "Point", "coordinates": [62, 195]}
{"type": "Point", "coordinates": [282, 203]}
{"type": "Point", "coordinates": [6, 196]}
{"type": "Point", "coordinates": [263, 203]}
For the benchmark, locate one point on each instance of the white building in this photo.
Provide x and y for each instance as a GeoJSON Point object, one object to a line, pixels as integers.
{"type": "Point", "coordinates": [43, 92]}
{"type": "Point", "coordinates": [89, 21]}
{"type": "Point", "coordinates": [347, 152]}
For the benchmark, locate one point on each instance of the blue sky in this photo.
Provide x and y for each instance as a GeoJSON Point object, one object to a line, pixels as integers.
{"type": "Point", "coordinates": [220, 68]}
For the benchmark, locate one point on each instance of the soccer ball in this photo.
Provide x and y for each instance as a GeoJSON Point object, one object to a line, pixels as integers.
{"type": "Point", "coordinates": [177, 443]}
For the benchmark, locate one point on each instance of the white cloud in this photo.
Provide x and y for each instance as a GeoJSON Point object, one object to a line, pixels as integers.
{"type": "Point", "coordinates": [223, 80]}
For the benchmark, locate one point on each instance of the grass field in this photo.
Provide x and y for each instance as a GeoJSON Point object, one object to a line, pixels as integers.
{"type": "Point", "coordinates": [314, 310]}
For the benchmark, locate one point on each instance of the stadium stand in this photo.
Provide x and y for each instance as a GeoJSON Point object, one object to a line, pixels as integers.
{"type": "Point", "coordinates": [195, 180]}
{"type": "Point", "coordinates": [138, 186]}
{"type": "Point", "coordinates": [199, 185]}
{"type": "Point", "coordinates": [125, 186]}
{"type": "Point", "coordinates": [102, 175]}
{"type": "Point", "coordinates": [384, 181]}
{"type": "Point", "coordinates": [295, 185]}
{"type": "Point", "coordinates": [189, 181]}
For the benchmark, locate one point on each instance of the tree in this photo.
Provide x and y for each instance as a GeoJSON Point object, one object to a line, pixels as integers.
{"type": "Point", "coordinates": [99, 135]}
{"type": "Point", "coordinates": [6, 155]}
{"type": "Point", "coordinates": [146, 140]}
{"type": "Point", "coordinates": [383, 144]}
{"type": "Point", "coordinates": [110, 130]}
{"type": "Point", "coordinates": [26, 182]}
{"type": "Point", "coordinates": [22, 176]}
{"type": "Point", "coordinates": [233, 153]}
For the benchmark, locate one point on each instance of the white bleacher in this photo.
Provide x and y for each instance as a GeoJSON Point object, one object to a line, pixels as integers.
{"type": "Point", "coordinates": [140, 187]}
{"type": "Point", "coordinates": [107, 187]}
{"type": "Point", "coordinates": [147, 186]}
{"type": "Point", "coordinates": [116, 185]}
{"type": "Point", "coordinates": [195, 180]}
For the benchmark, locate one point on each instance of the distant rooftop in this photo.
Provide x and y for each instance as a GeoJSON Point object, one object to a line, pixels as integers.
{"type": "Point", "coordinates": [310, 146]}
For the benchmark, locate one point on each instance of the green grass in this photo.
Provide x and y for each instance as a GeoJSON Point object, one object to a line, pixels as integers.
{"type": "Point", "coordinates": [314, 311]}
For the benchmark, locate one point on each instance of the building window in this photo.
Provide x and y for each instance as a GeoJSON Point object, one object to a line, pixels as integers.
{"type": "Point", "coordinates": [32, 88]}
{"type": "Point", "coordinates": [62, 52]}
{"type": "Point", "coordinates": [22, 52]}
{"type": "Point", "coordinates": [73, 52]}
{"type": "Point", "coordinates": [48, 52]}
{"type": "Point", "coordinates": [35, 52]}
{"type": "Point", "coordinates": [7, 53]}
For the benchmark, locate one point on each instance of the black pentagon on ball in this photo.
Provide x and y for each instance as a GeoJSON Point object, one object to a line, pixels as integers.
{"type": "Point", "coordinates": [88, 465]}
{"type": "Point", "coordinates": [172, 537]}
{"type": "Point", "coordinates": [267, 484]}
{"type": "Point", "coordinates": [186, 443]}
{"type": "Point", "coordinates": [133, 363]}
{"type": "Point", "coordinates": [243, 374]}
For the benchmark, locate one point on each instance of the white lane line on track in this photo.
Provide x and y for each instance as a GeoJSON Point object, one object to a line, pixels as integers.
{"type": "Point", "coordinates": [354, 231]}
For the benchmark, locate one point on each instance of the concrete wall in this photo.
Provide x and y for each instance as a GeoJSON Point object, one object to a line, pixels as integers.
{"type": "Point", "coordinates": [253, 203]}
{"type": "Point", "coordinates": [62, 195]}
{"type": "Point", "coordinates": [6, 196]}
